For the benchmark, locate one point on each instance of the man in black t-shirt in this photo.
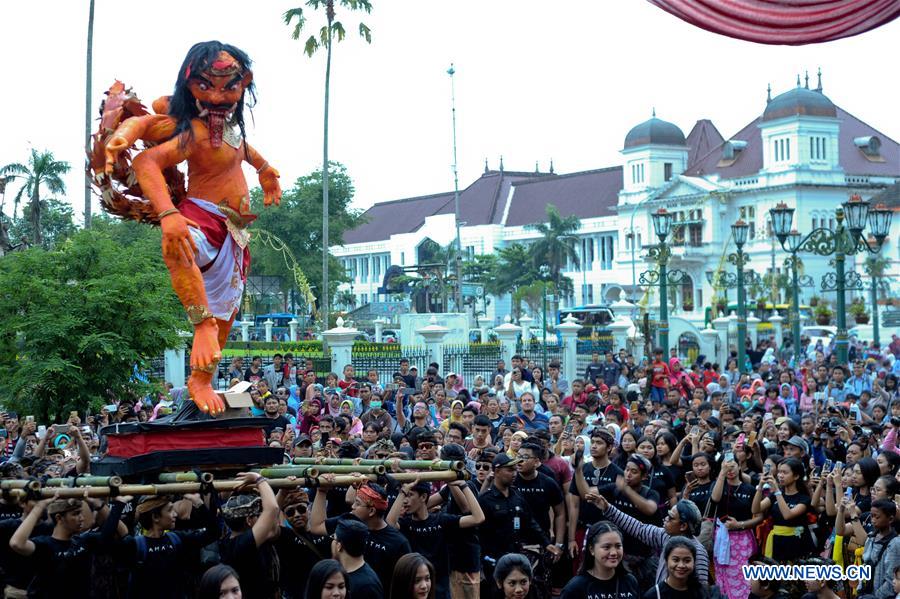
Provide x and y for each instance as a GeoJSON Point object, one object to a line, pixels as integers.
{"type": "Point", "coordinates": [62, 560]}
{"type": "Point", "coordinates": [541, 492]}
{"type": "Point", "coordinates": [347, 547]}
{"type": "Point", "coordinates": [427, 532]}
{"type": "Point", "coordinates": [599, 470]}
{"type": "Point", "coordinates": [253, 520]}
{"type": "Point", "coordinates": [17, 571]}
{"type": "Point", "coordinates": [384, 545]}
{"type": "Point", "coordinates": [298, 548]}
{"type": "Point", "coordinates": [161, 548]}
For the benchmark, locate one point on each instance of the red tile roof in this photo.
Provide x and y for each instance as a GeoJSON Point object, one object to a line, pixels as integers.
{"type": "Point", "coordinates": [587, 194]}
{"type": "Point", "coordinates": [702, 139]}
{"type": "Point", "coordinates": [852, 160]}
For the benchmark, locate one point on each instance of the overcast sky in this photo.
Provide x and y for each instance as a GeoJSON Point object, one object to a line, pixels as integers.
{"type": "Point", "coordinates": [534, 80]}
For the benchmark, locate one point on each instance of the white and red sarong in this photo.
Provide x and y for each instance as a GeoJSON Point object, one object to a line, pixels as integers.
{"type": "Point", "coordinates": [222, 255]}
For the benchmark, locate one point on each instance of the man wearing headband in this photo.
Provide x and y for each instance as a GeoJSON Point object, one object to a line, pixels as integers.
{"type": "Point", "coordinates": [62, 560]}
{"type": "Point", "coordinates": [161, 548]}
{"type": "Point", "coordinates": [598, 471]}
{"type": "Point", "coordinates": [253, 521]}
{"type": "Point", "coordinates": [385, 544]}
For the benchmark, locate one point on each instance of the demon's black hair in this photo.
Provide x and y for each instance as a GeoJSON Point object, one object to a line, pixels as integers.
{"type": "Point", "coordinates": [182, 106]}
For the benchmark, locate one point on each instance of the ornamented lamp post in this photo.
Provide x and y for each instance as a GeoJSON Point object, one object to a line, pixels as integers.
{"type": "Point", "coordinates": [874, 273]}
{"type": "Point", "coordinates": [545, 275]}
{"type": "Point", "coordinates": [662, 278]}
{"type": "Point", "coordinates": [739, 231]}
{"type": "Point", "coordinates": [846, 239]}
{"type": "Point", "coordinates": [791, 244]}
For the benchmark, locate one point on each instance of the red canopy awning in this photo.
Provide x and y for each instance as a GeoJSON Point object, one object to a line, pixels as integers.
{"type": "Point", "coordinates": [791, 22]}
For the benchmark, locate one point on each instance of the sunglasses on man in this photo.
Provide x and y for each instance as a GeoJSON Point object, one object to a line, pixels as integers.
{"type": "Point", "coordinates": [292, 510]}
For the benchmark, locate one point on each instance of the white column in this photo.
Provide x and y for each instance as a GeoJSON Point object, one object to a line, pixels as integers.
{"type": "Point", "coordinates": [379, 328]}
{"type": "Point", "coordinates": [568, 331]}
{"type": "Point", "coordinates": [268, 324]}
{"type": "Point", "coordinates": [508, 334]}
{"type": "Point", "coordinates": [721, 325]}
{"type": "Point", "coordinates": [293, 324]}
{"type": "Point", "coordinates": [778, 325]}
{"type": "Point", "coordinates": [484, 333]}
{"type": "Point", "coordinates": [174, 361]}
{"type": "Point", "coordinates": [525, 323]}
{"type": "Point", "coordinates": [245, 330]}
{"type": "Point", "coordinates": [710, 337]}
{"type": "Point", "coordinates": [619, 328]}
{"type": "Point", "coordinates": [753, 329]}
{"type": "Point", "coordinates": [623, 309]}
{"type": "Point", "coordinates": [340, 342]}
{"type": "Point", "coordinates": [434, 334]}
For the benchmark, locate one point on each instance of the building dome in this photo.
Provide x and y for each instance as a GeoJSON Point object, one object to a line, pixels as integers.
{"type": "Point", "coordinates": [799, 101]}
{"type": "Point", "coordinates": [656, 132]}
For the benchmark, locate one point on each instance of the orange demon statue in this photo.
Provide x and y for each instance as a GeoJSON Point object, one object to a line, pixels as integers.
{"type": "Point", "coordinates": [204, 227]}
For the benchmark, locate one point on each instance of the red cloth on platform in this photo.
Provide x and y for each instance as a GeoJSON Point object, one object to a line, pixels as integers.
{"type": "Point", "coordinates": [789, 22]}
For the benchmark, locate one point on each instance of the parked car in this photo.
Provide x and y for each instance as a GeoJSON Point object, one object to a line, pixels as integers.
{"type": "Point", "coordinates": [817, 333]}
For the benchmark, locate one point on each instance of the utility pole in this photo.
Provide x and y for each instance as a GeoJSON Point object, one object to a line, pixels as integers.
{"type": "Point", "coordinates": [87, 116]}
{"type": "Point", "coordinates": [458, 291]}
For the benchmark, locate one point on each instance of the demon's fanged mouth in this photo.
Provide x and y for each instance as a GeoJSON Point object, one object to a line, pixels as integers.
{"type": "Point", "coordinates": [216, 115]}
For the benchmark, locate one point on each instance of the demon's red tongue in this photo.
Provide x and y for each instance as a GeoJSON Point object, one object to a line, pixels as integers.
{"type": "Point", "coordinates": [216, 128]}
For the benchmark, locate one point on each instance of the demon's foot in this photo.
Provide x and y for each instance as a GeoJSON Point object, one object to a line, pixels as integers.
{"type": "Point", "coordinates": [206, 352]}
{"type": "Point", "coordinates": [200, 388]}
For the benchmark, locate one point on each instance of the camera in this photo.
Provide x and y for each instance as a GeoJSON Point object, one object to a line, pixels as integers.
{"type": "Point", "coordinates": [895, 420]}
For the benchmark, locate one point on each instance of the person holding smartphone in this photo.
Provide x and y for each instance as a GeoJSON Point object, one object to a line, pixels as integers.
{"type": "Point", "coordinates": [788, 505]}
{"type": "Point", "coordinates": [733, 500]}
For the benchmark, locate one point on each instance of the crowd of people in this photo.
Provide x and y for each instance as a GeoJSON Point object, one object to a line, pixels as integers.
{"type": "Point", "coordinates": [633, 479]}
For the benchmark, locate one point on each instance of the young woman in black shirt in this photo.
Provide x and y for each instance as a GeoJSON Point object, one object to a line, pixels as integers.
{"type": "Point", "coordinates": [733, 500]}
{"type": "Point", "coordinates": [788, 504]}
{"type": "Point", "coordinates": [682, 581]}
{"type": "Point", "coordinates": [660, 479]}
{"type": "Point", "coordinates": [602, 573]}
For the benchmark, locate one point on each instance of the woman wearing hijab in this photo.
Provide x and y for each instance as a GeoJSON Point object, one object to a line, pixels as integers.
{"type": "Point", "coordinates": [679, 379]}
{"type": "Point", "coordinates": [456, 409]}
{"type": "Point", "coordinates": [356, 426]}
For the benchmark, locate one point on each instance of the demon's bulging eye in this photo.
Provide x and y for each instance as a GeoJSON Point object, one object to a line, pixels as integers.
{"type": "Point", "coordinates": [233, 86]}
{"type": "Point", "coordinates": [203, 87]}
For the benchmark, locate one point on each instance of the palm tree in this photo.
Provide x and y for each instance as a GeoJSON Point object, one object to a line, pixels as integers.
{"type": "Point", "coordinates": [88, 92]}
{"type": "Point", "coordinates": [557, 244]}
{"type": "Point", "coordinates": [333, 29]}
{"type": "Point", "coordinates": [42, 170]}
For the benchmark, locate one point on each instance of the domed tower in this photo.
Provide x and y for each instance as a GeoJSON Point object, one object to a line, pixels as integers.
{"type": "Point", "coordinates": [654, 152]}
{"type": "Point", "coordinates": [800, 130]}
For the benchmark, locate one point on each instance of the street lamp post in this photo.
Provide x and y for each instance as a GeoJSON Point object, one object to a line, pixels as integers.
{"type": "Point", "coordinates": [846, 240]}
{"type": "Point", "coordinates": [792, 245]}
{"type": "Point", "coordinates": [662, 277]}
{"type": "Point", "coordinates": [545, 273]}
{"type": "Point", "coordinates": [873, 271]}
{"type": "Point", "coordinates": [739, 231]}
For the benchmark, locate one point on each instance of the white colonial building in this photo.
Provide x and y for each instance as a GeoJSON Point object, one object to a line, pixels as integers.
{"type": "Point", "coordinates": [802, 150]}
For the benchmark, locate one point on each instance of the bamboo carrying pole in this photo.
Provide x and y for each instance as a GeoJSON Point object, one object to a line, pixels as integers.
{"type": "Point", "coordinates": [185, 477]}
{"type": "Point", "coordinates": [405, 464]}
{"type": "Point", "coordinates": [85, 481]}
{"type": "Point", "coordinates": [313, 471]}
{"type": "Point", "coordinates": [17, 488]}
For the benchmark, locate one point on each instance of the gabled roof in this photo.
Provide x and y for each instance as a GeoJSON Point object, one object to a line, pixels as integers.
{"type": "Point", "coordinates": [586, 194]}
{"type": "Point", "coordinates": [890, 197]}
{"type": "Point", "coordinates": [702, 139]}
{"type": "Point", "coordinates": [481, 203]}
{"type": "Point", "coordinates": [749, 161]}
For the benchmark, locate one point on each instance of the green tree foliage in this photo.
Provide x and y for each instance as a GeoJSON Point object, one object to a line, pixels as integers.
{"type": "Point", "coordinates": [57, 224]}
{"type": "Point", "coordinates": [298, 222]}
{"type": "Point", "coordinates": [557, 244]}
{"type": "Point", "coordinates": [76, 319]}
{"type": "Point", "coordinates": [42, 171]}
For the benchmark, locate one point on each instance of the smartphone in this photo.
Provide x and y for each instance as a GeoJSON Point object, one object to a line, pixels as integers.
{"type": "Point", "coordinates": [839, 465]}
{"type": "Point", "coordinates": [3, 433]}
{"type": "Point", "coordinates": [570, 427]}
{"type": "Point", "coordinates": [752, 439]}
{"type": "Point", "coordinates": [689, 477]}
{"type": "Point", "coordinates": [111, 408]}
{"type": "Point", "coordinates": [829, 465]}
{"type": "Point", "coordinates": [634, 406]}
{"type": "Point", "coordinates": [727, 446]}
{"type": "Point", "coordinates": [728, 456]}
{"type": "Point", "coordinates": [693, 421]}
{"type": "Point", "coordinates": [29, 419]}
{"type": "Point", "coordinates": [767, 468]}
{"type": "Point", "coordinates": [695, 430]}
{"type": "Point", "coordinates": [41, 431]}
{"type": "Point", "coordinates": [849, 493]}
{"type": "Point", "coordinates": [73, 414]}
{"type": "Point", "coordinates": [62, 429]}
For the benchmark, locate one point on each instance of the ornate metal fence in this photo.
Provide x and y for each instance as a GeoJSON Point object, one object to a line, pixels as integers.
{"type": "Point", "coordinates": [537, 352]}
{"type": "Point", "coordinates": [385, 359]}
{"type": "Point", "coordinates": [471, 360]}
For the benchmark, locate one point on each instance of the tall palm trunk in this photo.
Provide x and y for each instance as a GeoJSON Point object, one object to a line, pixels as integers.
{"type": "Point", "coordinates": [87, 116]}
{"type": "Point", "coordinates": [324, 290]}
{"type": "Point", "coordinates": [36, 217]}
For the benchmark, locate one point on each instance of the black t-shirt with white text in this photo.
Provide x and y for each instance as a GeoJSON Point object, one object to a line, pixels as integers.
{"type": "Point", "coordinates": [595, 477]}
{"type": "Point", "coordinates": [586, 586]}
{"type": "Point", "coordinates": [623, 504]}
{"type": "Point", "coordinates": [257, 567]}
{"type": "Point", "coordinates": [465, 548]}
{"type": "Point", "coordinates": [429, 537]}
{"type": "Point", "coordinates": [737, 502]}
{"type": "Point", "coordinates": [383, 548]}
{"type": "Point", "coordinates": [664, 591]}
{"type": "Point", "coordinates": [364, 584]}
{"type": "Point", "coordinates": [541, 493]}
{"type": "Point", "coordinates": [63, 568]}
